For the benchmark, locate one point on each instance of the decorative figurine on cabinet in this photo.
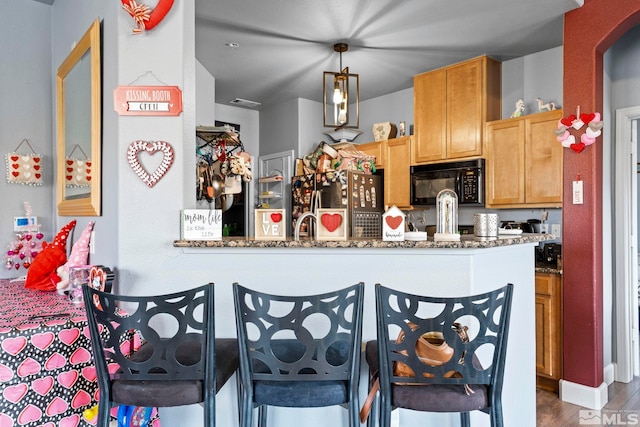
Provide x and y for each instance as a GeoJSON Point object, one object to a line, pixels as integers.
{"type": "Point", "coordinates": [549, 106]}
{"type": "Point", "coordinates": [519, 109]}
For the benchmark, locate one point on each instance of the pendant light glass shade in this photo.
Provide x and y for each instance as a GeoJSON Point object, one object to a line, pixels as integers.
{"type": "Point", "coordinates": [341, 95]}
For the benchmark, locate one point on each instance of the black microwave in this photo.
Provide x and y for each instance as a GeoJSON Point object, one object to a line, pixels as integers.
{"type": "Point", "coordinates": [465, 178]}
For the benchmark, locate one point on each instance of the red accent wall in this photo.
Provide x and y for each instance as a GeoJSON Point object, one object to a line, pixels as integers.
{"type": "Point", "coordinates": [588, 32]}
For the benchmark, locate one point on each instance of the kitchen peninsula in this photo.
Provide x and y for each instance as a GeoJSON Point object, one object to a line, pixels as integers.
{"type": "Point", "coordinates": [436, 268]}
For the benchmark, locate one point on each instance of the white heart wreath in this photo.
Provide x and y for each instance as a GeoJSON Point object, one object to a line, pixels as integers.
{"type": "Point", "coordinates": [150, 147]}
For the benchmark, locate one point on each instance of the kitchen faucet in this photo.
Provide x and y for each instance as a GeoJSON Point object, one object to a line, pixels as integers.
{"type": "Point", "coordinates": [296, 233]}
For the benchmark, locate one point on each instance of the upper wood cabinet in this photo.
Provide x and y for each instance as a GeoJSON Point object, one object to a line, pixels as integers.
{"type": "Point", "coordinates": [376, 149]}
{"type": "Point", "coordinates": [451, 106]}
{"type": "Point", "coordinates": [397, 179]}
{"type": "Point", "coordinates": [524, 162]}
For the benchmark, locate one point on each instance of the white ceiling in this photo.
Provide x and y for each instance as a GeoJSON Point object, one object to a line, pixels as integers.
{"type": "Point", "coordinates": [285, 45]}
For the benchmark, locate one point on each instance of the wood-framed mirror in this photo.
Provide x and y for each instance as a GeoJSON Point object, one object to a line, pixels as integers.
{"type": "Point", "coordinates": [79, 118]}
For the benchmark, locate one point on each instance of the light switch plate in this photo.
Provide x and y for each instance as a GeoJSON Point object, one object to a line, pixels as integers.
{"type": "Point", "coordinates": [556, 229]}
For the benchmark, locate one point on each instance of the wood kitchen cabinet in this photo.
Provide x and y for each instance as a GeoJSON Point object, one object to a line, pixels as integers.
{"type": "Point", "coordinates": [397, 180]}
{"type": "Point", "coordinates": [376, 149]}
{"type": "Point", "coordinates": [548, 330]}
{"type": "Point", "coordinates": [451, 106]}
{"type": "Point", "coordinates": [524, 162]}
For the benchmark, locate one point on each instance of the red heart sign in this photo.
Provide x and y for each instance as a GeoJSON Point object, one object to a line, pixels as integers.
{"type": "Point", "coordinates": [393, 221]}
{"type": "Point", "coordinates": [133, 152]}
{"type": "Point", "coordinates": [578, 147]}
{"type": "Point", "coordinates": [568, 121]}
{"type": "Point", "coordinates": [276, 217]}
{"type": "Point", "coordinates": [331, 221]}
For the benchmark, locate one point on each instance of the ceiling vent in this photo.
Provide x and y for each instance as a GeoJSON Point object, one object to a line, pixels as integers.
{"type": "Point", "coordinates": [239, 102]}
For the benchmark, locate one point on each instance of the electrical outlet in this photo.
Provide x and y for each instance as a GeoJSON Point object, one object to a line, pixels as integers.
{"type": "Point", "coordinates": [556, 229]}
{"type": "Point", "coordinates": [92, 243]}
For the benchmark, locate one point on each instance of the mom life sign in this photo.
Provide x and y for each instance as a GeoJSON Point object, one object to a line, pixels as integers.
{"type": "Point", "coordinates": [148, 100]}
{"type": "Point", "coordinates": [270, 224]}
{"type": "Point", "coordinates": [201, 224]}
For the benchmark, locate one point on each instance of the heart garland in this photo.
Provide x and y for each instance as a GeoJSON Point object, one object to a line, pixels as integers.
{"type": "Point", "coordinates": [576, 122]}
{"type": "Point", "coordinates": [151, 147]}
{"type": "Point", "coordinates": [144, 19]}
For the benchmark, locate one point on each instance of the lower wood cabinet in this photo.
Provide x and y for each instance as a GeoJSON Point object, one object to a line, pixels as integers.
{"type": "Point", "coordinates": [548, 330]}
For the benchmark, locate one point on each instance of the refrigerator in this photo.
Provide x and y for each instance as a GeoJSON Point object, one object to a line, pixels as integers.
{"type": "Point", "coordinates": [361, 194]}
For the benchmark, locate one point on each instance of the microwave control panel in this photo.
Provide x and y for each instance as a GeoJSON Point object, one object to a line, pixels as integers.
{"type": "Point", "coordinates": [470, 184]}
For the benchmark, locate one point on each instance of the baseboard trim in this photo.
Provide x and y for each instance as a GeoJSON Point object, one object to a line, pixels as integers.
{"type": "Point", "coordinates": [609, 373]}
{"type": "Point", "coordinates": [582, 395]}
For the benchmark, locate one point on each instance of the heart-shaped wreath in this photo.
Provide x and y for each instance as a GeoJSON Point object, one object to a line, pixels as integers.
{"type": "Point", "coordinates": [136, 147]}
{"type": "Point", "coordinates": [576, 122]}
{"type": "Point", "coordinates": [145, 18]}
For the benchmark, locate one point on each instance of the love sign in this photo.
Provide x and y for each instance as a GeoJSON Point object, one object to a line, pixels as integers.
{"type": "Point", "coordinates": [270, 224]}
{"type": "Point", "coordinates": [150, 147]}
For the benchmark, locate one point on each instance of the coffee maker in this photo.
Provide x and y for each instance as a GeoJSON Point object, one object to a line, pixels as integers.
{"type": "Point", "coordinates": [548, 254]}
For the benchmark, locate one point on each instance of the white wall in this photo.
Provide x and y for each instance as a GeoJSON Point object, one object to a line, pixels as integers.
{"type": "Point", "coordinates": [26, 88]}
{"type": "Point", "coordinates": [538, 75]}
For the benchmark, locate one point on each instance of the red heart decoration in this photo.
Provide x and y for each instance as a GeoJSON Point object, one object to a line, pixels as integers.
{"type": "Point", "coordinates": [276, 217]}
{"type": "Point", "coordinates": [393, 221]}
{"type": "Point", "coordinates": [89, 164]}
{"type": "Point", "coordinates": [331, 221]}
{"type": "Point", "coordinates": [69, 170]}
{"type": "Point", "coordinates": [568, 121]}
{"type": "Point", "coordinates": [586, 118]}
{"type": "Point", "coordinates": [36, 167]}
{"type": "Point", "coordinates": [36, 159]}
{"type": "Point", "coordinates": [14, 158]}
{"type": "Point", "coordinates": [38, 176]}
{"type": "Point", "coordinates": [15, 165]}
{"type": "Point", "coordinates": [152, 19]}
{"type": "Point", "coordinates": [69, 162]}
{"type": "Point", "coordinates": [88, 178]}
{"type": "Point", "coordinates": [15, 174]}
{"type": "Point", "coordinates": [69, 177]}
{"type": "Point", "coordinates": [88, 171]}
{"type": "Point", "coordinates": [578, 147]}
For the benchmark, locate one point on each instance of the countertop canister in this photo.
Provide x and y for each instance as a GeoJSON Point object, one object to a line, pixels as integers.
{"type": "Point", "coordinates": [485, 225]}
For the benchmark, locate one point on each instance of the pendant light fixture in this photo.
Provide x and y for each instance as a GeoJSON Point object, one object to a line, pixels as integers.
{"type": "Point", "coordinates": [341, 95]}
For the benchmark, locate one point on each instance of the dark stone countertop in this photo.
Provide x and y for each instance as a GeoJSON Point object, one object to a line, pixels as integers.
{"type": "Point", "coordinates": [466, 241]}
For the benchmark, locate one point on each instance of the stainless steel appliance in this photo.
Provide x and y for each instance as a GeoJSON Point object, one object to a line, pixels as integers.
{"type": "Point", "coordinates": [465, 178]}
{"type": "Point", "coordinates": [361, 194]}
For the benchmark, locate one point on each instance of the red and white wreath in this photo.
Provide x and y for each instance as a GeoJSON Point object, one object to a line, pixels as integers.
{"type": "Point", "coordinates": [575, 122]}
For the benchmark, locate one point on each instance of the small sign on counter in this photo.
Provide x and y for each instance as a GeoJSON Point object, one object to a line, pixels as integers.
{"type": "Point", "coordinates": [270, 224]}
{"type": "Point", "coordinates": [201, 224]}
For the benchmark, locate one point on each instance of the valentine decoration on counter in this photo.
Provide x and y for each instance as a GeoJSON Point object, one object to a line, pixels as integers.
{"type": "Point", "coordinates": [332, 224]}
{"type": "Point", "coordinates": [270, 224]}
{"type": "Point", "coordinates": [201, 224]}
{"type": "Point", "coordinates": [77, 171]}
{"type": "Point", "coordinates": [25, 169]}
{"type": "Point", "coordinates": [28, 244]}
{"type": "Point", "coordinates": [144, 17]}
{"type": "Point", "coordinates": [393, 225]}
{"type": "Point", "coordinates": [42, 274]}
{"type": "Point", "coordinates": [151, 147]}
{"type": "Point", "coordinates": [567, 125]}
